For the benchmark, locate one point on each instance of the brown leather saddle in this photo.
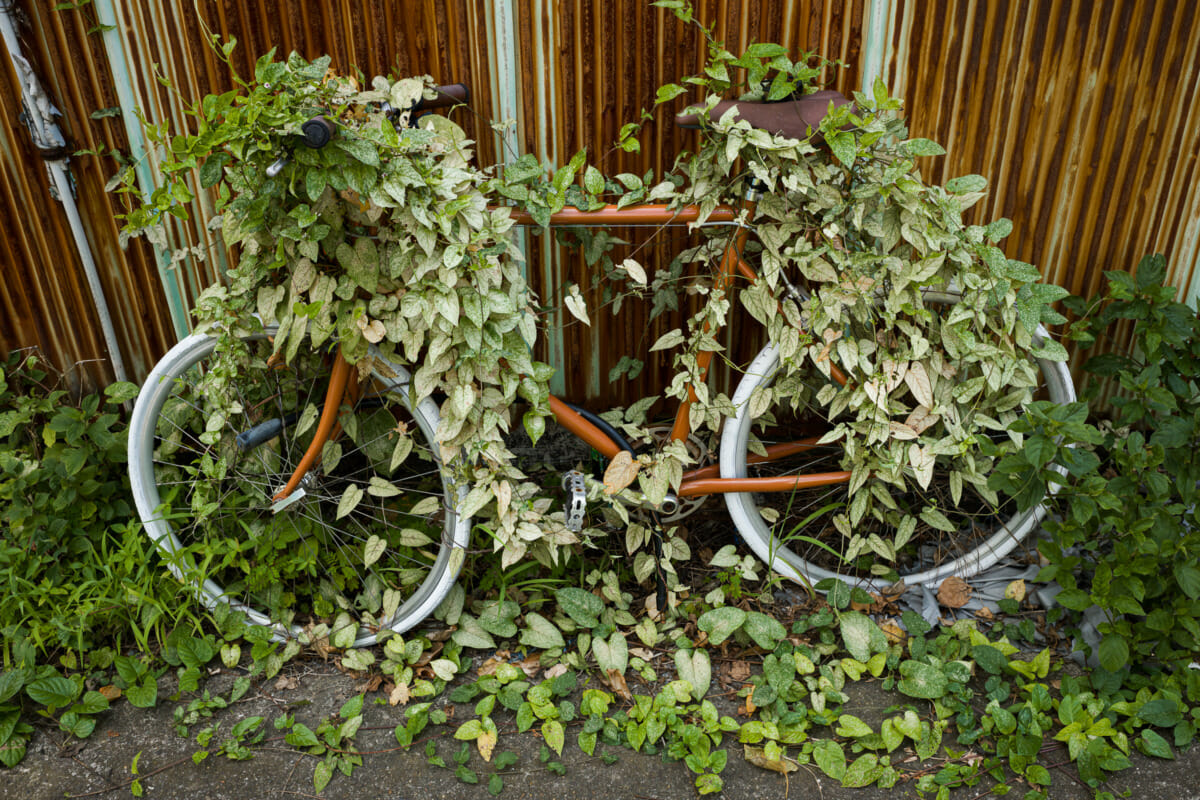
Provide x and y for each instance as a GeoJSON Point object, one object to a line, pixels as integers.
{"type": "Point", "coordinates": [796, 119]}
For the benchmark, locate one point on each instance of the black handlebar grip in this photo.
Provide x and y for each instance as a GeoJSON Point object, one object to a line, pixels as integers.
{"type": "Point", "coordinates": [449, 95]}
{"type": "Point", "coordinates": [317, 131]}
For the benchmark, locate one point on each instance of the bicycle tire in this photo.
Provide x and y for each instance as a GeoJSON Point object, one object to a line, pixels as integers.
{"type": "Point", "coordinates": [805, 561]}
{"type": "Point", "coordinates": [214, 525]}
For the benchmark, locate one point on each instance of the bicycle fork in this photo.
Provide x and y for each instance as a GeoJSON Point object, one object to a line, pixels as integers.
{"type": "Point", "coordinates": [340, 388]}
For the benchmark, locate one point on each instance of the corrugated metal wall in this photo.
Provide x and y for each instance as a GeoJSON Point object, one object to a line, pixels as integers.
{"type": "Point", "coordinates": [44, 298]}
{"type": "Point", "coordinates": [1082, 114]}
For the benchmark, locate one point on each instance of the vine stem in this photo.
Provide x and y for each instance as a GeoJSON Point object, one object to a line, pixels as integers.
{"type": "Point", "coordinates": [129, 782]}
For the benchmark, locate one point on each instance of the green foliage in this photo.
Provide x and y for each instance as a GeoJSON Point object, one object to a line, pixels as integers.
{"type": "Point", "coordinates": [78, 578]}
{"type": "Point", "coordinates": [848, 230]}
{"type": "Point", "coordinates": [68, 548]}
{"type": "Point", "coordinates": [1127, 535]}
{"type": "Point", "coordinates": [383, 242]}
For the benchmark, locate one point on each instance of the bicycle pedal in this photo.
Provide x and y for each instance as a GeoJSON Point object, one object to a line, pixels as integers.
{"type": "Point", "coordinates": [280, 505]}
{"type": "Point", "coordinates": [576, 504]}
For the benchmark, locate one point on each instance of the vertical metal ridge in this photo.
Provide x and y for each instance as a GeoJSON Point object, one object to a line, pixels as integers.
{"type": "Point", "coordinates": [1081, 115]}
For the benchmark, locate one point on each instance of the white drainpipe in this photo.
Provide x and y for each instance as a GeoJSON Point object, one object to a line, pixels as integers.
{"type": "Point", "coordinates": [50, 142]}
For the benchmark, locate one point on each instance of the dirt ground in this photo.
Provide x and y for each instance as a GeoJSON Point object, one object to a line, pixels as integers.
{"type": "Point", "coordinates": [100, 766]}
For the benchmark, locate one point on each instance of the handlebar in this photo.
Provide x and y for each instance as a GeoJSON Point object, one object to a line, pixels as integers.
{"type": "Point", "coordinates": [319, 130]}
{"type": "Point", "coordinates": [449, 95]}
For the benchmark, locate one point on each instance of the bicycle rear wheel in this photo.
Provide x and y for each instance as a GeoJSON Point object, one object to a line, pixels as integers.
{"type": "Point", "coordinates": [372, 540]}
{"type": "Point", "coordinates": [794, 531]}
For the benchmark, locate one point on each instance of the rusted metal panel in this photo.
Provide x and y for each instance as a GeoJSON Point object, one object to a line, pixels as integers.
{"type": "Point", "coordinates": [1083, 116]}
{"type": "Point", "coordinates": [45, 298]}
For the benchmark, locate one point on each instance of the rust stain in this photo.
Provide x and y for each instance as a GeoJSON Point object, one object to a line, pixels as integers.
{"type": "Point", "coordinates": [1081, 114]}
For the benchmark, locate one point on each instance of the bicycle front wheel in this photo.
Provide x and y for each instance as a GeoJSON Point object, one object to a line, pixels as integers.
{"type": "Point", "coordinates": [794, 531]}
{"type": "Point", "coordinates": [370, 540]}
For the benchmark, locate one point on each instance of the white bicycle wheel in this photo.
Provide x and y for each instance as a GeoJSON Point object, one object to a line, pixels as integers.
{"type": "Point", "coordinates": [793, 532]}
{"type": "Point", "coordinates": [372, 535]}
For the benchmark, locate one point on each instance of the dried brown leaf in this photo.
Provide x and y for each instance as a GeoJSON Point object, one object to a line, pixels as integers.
{"type": "Point", "coordinates": [758, 757]}
{"type": "Point", "coordinates": [620, 472]}
{"type": "Point", "coordinates": [954, 592]}
{"type": "Point", "coordinates": [616, 681]}
{"type": "Point", "coordinates": [398, 696]}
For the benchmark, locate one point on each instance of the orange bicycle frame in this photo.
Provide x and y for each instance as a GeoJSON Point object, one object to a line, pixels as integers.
{"type": "Point", "coordinates": [696, 482]}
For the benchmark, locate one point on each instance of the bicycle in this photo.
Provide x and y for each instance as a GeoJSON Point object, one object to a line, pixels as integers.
{"type": "Point", "coordinates": [297, 461]}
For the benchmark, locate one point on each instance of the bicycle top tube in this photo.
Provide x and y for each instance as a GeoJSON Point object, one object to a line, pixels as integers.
{"type": "Point", "coordinates": [638, 214]}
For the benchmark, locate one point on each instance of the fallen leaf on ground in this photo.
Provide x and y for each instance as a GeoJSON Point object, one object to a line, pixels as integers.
{"type": "Point", "coordinates": [616, 681]}
{"type": "Point", "coordinates": [531, 665]}
{"type": "Point", "coordinates": [740, 671]}
{"type": "Point", "coordinates": [1015, 590]}
{"type": "Point", "coordinates": [758, 757]}
{"type": "Point", "coordinates": [399, 695]}
{"type": "Point", "coordinates": [892, 630]}
{"type": "Point", "coordinates": [287, 682]}
{"type": "Point", "coordinates": [954, 592]}
{"type": "Point", "coordinates": [110, 692]}
{"type": "Point", "coordinates": [486, 742]}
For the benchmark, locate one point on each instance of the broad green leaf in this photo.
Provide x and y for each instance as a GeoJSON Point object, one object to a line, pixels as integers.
{"type": "Point", "coordinates": [343, 632]}
{"type": "Point", "coordinates": [581, 606]}
{"type": "Point", "coordinates": [779, 671]}
{"type": "Point", "coordinates": [541, 633]}
{"type": "Point", "coordinates": [921, 680]}
{"type": "Point", "coordinates": [554, 734]}
{"type": "Point", "coordinates": [966, 184]}
{"type": "Point", "coordinates": [349, 500]}
{"type": "Point", "coordinates": [53, 692]}
{"type": "Point", "coordinates": [593, 180]}
{"type": "Point", "coordinates": [851, 726]}
{"type": "Point", "coordinates": [924, 147]}
{"type": "Point", "coordinates": [1152, 744]}
{"type": "Point", "coordinates": [892, 737]}
{"type": "Point", "coordinates": [322, 774]}
{"type": "Point", "coordinates": [469, 730]}
{"type": "Point", "coordinates": [471, 634]}
{"type": "Point", "coordinates": [695, 668]}
{"type": "Point", "coordinates": [497, 618]}
{"type": "Point", "coordinates": [843, 146]}
{"type": "Point", "coordinates": [1163, 712]}
{"type": "Point", "coordinates": [668, 92]}
{"type": "Point", "coordinates": [863, 771]}
{"type": "Point", "coordinates": [611, 653]}
{"type": "Point", "coordinates": [766, 631]}
{"type": "Point", "coordinates": [373, 549]}
{"type": "Point", "coordinates": [79, 726]}
{"type": "Point", "coordinates": [1113, 653]}
{"type": "Point", "coordinates": [144, 694]}
{"type": "Point", "coordinates": [719, 623]}
{"type": "Point", "coordinates": [856, 633]}
{"type": "Point", "coordinates": [12, 681]}
{"type": "Point", "coordinates": [830, 757]}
